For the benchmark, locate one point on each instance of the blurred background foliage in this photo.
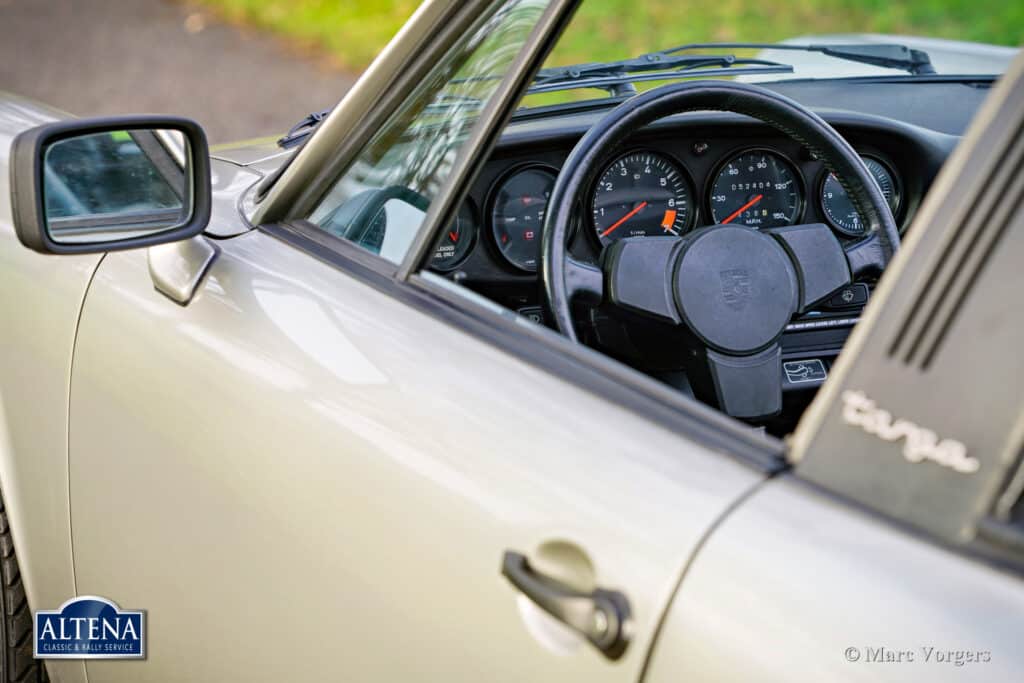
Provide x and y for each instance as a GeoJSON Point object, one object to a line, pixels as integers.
{"type": "Point", "coordinates": [351, 32]}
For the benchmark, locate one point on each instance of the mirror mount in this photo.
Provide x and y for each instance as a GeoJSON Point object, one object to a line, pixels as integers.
{"type": "Point", "coordinates": [177, 268]}
{"type": "Point", "coordinates": [29, 178]}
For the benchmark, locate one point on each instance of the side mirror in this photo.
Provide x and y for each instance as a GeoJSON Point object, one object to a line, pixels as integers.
{"type": "Point", "coordinates": [96, 185]}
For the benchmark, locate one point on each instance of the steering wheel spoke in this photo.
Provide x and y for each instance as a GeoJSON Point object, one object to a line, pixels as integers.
{"type": "Point", "coordinates": [821, 265]}
{"type": "Point", "coordinates": [747, 387]}
{"type": "Point", "coordinates": [866, 256]}
{"type": "Point", "coordinates": [640, 275]}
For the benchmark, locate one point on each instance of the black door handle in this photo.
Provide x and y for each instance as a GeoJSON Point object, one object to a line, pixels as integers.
{"type": "Point", "coordinates": [602, 616]}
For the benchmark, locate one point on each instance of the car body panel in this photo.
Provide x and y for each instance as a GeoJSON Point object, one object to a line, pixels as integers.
{"type": "Point", "coordinates": [35, 374]}
{"type": "Point", "coordinates": [40, 302]}
{"type": "Point", "coordinates": [248, 152]}
{"type": "Point", "coordinates": [308, 435]}
{"type": "Point", "coordinates": [231, 185]}
{"type": "Point", "coordinates": [794, 577]}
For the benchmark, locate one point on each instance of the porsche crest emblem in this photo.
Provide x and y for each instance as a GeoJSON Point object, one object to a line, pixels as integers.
{"type": "Point", "coordinates": [736, 288]}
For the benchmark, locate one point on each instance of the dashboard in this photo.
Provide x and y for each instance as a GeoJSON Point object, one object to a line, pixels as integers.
{"type": "Point", "coordinates": [648, 191]}
{"type": "Point", "coordinates": [670, 178]}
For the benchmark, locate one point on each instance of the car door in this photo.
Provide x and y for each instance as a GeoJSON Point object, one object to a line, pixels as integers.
{"type": "Point", "coordinates": [315, 468]}
{"type": "Point", "coordinates": [299, 473]}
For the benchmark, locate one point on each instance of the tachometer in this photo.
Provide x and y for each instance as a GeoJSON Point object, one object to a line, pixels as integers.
{"type": "Point", "coordinates": [838, 208]}
{"type": "Point", "coordinates": [517, 215]}
{"type": "Point", "coordinates": [758, 189]}
{"type": "Point", "coordinates": [641, 194]}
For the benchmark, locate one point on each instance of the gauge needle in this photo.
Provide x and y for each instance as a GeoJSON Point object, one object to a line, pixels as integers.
{"type": "Point", "coordinates": [743, 208]}
{"type": "Point", "coordinates": [625, 218]}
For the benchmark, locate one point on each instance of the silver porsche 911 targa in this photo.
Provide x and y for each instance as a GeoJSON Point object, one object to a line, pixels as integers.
{"type": "Point", "coordinates": [702, 365]}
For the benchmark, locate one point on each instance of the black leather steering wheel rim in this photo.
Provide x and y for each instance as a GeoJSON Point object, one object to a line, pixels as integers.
{"type": "Point", "coordinates": [784, 114]}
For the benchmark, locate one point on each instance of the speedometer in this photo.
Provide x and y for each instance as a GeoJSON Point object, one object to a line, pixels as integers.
{"type": "Point", "coordinates": [758, 189]}
{"type": "Point", "coordinates": [641, 194]}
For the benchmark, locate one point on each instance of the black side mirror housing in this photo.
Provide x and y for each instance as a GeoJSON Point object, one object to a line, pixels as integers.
{"type": "Point", "coordinates": [107, 184]}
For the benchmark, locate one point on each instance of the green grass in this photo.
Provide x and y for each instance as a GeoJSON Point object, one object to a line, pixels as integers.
{"type": "Point", "coordinates": [351, 32]}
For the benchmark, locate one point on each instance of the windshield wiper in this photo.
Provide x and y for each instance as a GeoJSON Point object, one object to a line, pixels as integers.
{"type": "Point", "coordinates": [617, 78]}
{"type": "Point", "coordinates": [889, 56]}
{"type": "Point", "coordinates": [443, 103]}
{"type": "Point", "coordinates": [302, 130]}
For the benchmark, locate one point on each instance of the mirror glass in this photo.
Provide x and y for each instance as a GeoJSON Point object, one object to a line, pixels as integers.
{"type": "Point", "coordinates": [103, 187]}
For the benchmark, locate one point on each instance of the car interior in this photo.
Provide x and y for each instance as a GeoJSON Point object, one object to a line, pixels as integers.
{"type": "Point", "coordinates": [721, 234]}
{"type": "Point", "coordinates": [703, 168]}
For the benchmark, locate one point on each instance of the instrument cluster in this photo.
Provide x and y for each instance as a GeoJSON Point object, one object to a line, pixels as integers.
{"type": "Point", "coordinates": [648, 192]}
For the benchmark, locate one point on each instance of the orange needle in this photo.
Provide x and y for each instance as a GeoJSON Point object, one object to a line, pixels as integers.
{"type": "Point", "coordinates": [625, 218]}
{"type": "Point", "coordinates": [668, 220]}
{"type": "Point", "coordinates": [743, 208]}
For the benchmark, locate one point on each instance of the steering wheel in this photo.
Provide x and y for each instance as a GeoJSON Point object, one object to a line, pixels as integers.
{"type": "Point", "coordinates": [732, 287]}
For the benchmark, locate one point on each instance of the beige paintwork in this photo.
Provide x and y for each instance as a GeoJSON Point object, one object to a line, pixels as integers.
{"type": "Point", "coordinates": [40, 304]}
{"type": "Point", "coordinates": [794, 578]}
{"type": "Point", "coordinates": [36, 342]}
{"type": "Point", "coordinates": [298, 474]}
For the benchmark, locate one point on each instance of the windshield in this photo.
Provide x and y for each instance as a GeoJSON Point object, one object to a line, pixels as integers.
{"type": "Point", "coordinates": [957, 37]}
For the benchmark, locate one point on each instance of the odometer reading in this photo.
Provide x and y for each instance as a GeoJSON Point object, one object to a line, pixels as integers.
{"type": "Point", "coordinates": [758, 189]}
{"type": "Point", "coordinates": [641, 194]}
{"type": "Point", "coordinates": [838, 208]}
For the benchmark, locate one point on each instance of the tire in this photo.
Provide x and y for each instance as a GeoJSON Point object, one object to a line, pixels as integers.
{"type": "Point", "coordinates": [16, 662]}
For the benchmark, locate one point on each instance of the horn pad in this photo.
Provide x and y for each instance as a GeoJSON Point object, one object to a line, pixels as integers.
{"type": "Point", "coordinates": [735, 287]}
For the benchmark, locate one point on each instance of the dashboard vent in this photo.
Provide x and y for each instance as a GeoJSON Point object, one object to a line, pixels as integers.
{"type": "Point", "coordinates": [941, 295]}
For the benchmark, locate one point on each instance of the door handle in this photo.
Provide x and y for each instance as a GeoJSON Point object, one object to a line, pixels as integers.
{"type": "Point", "coordinates": [601, 616]}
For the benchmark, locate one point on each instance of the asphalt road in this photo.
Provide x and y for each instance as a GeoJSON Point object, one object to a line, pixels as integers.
{"type": "Point", "coordinates": [98, 57]}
